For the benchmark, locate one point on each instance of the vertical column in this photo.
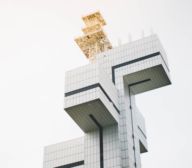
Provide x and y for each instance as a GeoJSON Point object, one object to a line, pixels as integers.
{"type": "Point", "coordinates": [92, 149]}
{"type": "Point", "coordinates": [136, 136]}
{"type": "Point", "coordinates": [112, 147]}
{"type": "Point", "coordinates": [126, 128]}
{"type": "Point", "coordinates": [136, 148]}
{"type": "Point", "coordinates": [100, 140]}
{"type": "Point", "coordinates": [103, 147]}
{"type": "Point", "coordinates": [128, 123]}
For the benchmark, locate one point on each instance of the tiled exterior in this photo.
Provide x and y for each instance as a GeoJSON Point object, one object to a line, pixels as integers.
{"type": "Point", "coordinates": [92, 101]}
{"type": "Point", "coordinates": [116, 135]}
{"type": "Point", "coordinates": [86, 76]}
{"type": "Point", "coordinates": [131, 51]}
{"type": "Point", "coordinates": [64, 153]}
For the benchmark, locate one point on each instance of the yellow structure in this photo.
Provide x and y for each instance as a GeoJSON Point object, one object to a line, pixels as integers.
{"type": "Point", "coordinates": [94, 39]}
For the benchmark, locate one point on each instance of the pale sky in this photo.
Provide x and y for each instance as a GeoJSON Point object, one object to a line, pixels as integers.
{"type": "Point", "coordinates": [37, 47]}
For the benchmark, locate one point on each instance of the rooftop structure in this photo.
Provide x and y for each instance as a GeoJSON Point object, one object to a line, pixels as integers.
{"type": "Point", "coordinates": [95, 39]}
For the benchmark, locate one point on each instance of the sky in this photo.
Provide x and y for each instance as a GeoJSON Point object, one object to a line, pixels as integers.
{"type": "Point", "coordinates": [36, 48]}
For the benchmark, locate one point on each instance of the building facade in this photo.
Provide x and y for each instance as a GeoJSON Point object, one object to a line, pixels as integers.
{"type": "Point", "coordinates": [100, 98]}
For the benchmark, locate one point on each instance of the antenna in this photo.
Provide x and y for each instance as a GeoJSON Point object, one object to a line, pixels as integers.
{"type": "Point", "coordinates": [151, 31]}
{"type": "Point", "coordinates": [130, 38]}
{"type": "Point", "coordinates": [119, 41]}
{"type": "Point", "coordinates": [142, 33]}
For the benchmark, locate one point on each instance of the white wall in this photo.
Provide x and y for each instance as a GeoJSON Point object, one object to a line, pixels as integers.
{"type": "Point", "coordinates": [64, 153]}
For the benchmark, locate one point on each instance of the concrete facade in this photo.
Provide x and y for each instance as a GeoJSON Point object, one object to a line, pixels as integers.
{"type": "Point", "coordinates": [100, 98]}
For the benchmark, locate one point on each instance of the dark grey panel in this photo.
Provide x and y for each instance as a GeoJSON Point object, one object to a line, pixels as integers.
{"type": "Point", "coordinates": [72, 164]}
{"type": "Point", "coordinates": [142, 147]}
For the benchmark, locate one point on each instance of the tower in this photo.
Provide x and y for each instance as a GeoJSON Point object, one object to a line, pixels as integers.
{"type": "Point", "coordinates": [100, 98]}
{"type": "Point", "coordinates": [95, 39]}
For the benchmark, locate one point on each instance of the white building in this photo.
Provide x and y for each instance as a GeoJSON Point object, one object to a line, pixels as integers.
{"type": "Point", "coordinates": [100, 98]}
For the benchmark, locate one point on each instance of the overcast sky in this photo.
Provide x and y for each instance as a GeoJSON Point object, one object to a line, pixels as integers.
{"type": "Point", "coordinates": [37, 47]}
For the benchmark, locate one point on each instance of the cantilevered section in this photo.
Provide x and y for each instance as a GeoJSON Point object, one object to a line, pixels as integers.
{"type": "Point", "coordinates": [90, 91]}
{"type": "Point", "coordinates": [155, 77]}
{"type": "Point", "coordinates": [95, 39]}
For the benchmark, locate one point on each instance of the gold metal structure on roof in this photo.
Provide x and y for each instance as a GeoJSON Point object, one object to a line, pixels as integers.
{"type": "Point", "coordinates": [94, 39]}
